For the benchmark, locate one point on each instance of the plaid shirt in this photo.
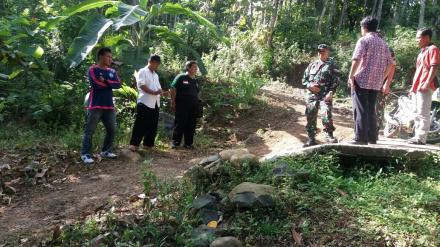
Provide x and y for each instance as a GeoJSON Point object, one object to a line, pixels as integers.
{"type": "Point", "coordinates": [375, 56]}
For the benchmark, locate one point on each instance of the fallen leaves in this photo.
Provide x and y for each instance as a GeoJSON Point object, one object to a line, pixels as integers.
{"type": "Point", "coordinates": [297, 237]}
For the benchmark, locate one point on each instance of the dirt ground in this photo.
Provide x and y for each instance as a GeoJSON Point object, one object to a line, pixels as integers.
{"type": "Point", "coordinates": [72, 192]}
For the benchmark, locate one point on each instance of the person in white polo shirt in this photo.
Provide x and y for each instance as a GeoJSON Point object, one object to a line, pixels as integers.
{"type": "Point", "coordinates": [148, 103]}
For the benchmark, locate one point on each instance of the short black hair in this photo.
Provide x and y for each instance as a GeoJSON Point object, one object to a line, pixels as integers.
{"type": "Point", "coordinates": [189, 64]}
{"type": "Point", "coordinates": [370, 23]}
{"type": "Point", "coordinates": [103, 51]}
{"type": "Point", "coordinates": [425, 32]}
{"type": "Point", "coordinates": [154, 58]}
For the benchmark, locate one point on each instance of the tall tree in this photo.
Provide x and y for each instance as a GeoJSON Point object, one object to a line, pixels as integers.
{"type": "Point", "coordinates": [330, 18]}
{"type": "Point", "coordinates": [422, 13]}
{"type": "Point", "coordinates": [379, 11]}
{"type": "Point", "coordinates": [373, 11]}
{"type": "Point", "coordinates": [321, 18]}
{"type": "Point", "coordinates": [435, 20]}
{"type": "Point", "coordinates": [344, 12]}
{"type": "Point", "coordinates": [273, 20]}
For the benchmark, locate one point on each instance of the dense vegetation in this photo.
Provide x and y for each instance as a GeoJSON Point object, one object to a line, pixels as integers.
{"type": "Point", "coordinates": [46, 46]}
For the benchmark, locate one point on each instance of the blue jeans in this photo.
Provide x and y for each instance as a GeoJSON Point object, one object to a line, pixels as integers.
{"type": "Point", "coordinates": [108, 118]}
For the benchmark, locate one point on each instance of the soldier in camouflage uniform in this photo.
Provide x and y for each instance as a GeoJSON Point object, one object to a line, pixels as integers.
{"type": "Point", "coordinates": [321, 79]}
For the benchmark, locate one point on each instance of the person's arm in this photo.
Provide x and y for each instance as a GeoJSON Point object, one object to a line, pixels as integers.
{"type": "Point", "coordinates": [358, 53]}
{"type": "Point", "coordinates": [310, 86]}
{"type": "Point", "coordinates": [305, 79]}
{"type": "Point", "coordinates": [389, 79]}
{"type": "Point", "coordinates": [432, 74]}
{"type": "Point", "coordinates": [96, 82]}
{"type": "Point", "coordinates": [434, 62]}
{"type": "Point", "coordinates": [354, 69]}
{"type": "Point", "coordinates": [173, 92]}
{"type": "Point", "coordinates": [142, 83]}
{"type": "Point", "coordinates": [115, 82]}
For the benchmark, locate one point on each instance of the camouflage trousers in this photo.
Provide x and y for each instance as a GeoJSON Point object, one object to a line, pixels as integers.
{"type": "Point", "coordinates": [313, 106]}
{"type": "Point", "coordinates": [380, 108]}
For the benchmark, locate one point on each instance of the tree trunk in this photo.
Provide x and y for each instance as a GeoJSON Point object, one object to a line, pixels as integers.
{"type": "Point", "coordinates": [344, 12]}
{"type": "Point", "coordinates": [276, 4]}
{"type": "Point", "coordinates": [321, 18]}
{"type": "Point", "coordinates": [435, 20]}
{"type": "Point", "coordinates": [396, 13]}
{"type": "Point", "coordinates": [365, 7]}
{"type": "Point", "coordinates": [374, 8]}
{"type": "Point", "coordinates": [379, 11]}
{"type": "Point", "coordinates": [330, 17]}
{"type": "Point", "coordinates": [422, 13]}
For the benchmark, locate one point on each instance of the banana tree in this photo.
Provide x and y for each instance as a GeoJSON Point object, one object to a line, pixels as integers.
{"type": "Point", "coordinates": [140, 18]}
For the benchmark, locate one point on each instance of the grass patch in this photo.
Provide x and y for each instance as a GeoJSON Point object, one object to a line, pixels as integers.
{"type": "Point", "coordinates": [329, 205]}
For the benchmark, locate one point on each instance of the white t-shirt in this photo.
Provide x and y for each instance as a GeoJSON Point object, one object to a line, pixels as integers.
{"type": "Point", "coordinates": [150, 79]}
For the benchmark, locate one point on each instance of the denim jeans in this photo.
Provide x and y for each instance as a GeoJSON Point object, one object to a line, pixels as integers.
{"type": "Point", "coordinates": [108, 118]}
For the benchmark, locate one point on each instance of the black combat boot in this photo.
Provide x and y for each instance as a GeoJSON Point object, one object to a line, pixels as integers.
{"type": "Point", "coordinates": [310, 142]}
{"type": "Point", "coordinates": [330, 138]}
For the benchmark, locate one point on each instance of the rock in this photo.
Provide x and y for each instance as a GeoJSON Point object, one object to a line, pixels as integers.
{"type": "Point", "coordinates": [227, 154]}
{"type": "Point", "coordinates": [208, 160]}
{"type": "Point", "coordinates": [249, 195]}
{"type": "Point", "coordinates": [196, 174]}
{"type": "Point", "coordinates": [202, 236]}
{"type": "Point", "coordinates": [253, 139]}
{"type": "Point", "coordinates": [4, 167]}
{"type": "Point", "coordinates": [206, 201]}
{"type": "Point", "coordinates": [205, 161]}
{"type": "Point", "coordinates": [130, 155]}
{"type": "Point", "coordinates": [282, 171]}
{"type": "Point", "coordinates": [166, 121]}
{"type": "Point", "coordinates": [208, 215]}
{"type": "Point", "coordinates": [238, 160]}
{"type": "Point", "coordinates": [226, 242]}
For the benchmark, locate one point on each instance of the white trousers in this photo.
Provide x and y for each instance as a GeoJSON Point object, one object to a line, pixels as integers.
{"type": "Point", "coordinates": [422, 114]}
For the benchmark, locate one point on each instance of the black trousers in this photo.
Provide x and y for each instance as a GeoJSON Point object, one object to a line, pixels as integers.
{"type": "Point", "coordinates": [185, 121]}
{"type": "Point", "coordinates": [364, 111]}
{"type": "Point", "coordinates": [145, 125]}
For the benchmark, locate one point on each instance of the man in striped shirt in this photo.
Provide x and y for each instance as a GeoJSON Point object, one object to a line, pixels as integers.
{"type": "Point", "coordinates": [103, 80]}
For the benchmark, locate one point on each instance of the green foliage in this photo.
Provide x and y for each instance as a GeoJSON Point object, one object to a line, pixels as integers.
{"type": "Point", "coordinates": [326, 200]}
{"type": "Point", "coordinates": [129, 15]}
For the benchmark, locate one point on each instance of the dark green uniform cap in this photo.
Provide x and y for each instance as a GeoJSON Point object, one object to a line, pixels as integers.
{"type": "Point", "coordinates": [322, 47]}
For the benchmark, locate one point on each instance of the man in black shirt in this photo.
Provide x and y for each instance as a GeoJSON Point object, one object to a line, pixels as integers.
{"type": "Point", "coordinates": [185, 104]}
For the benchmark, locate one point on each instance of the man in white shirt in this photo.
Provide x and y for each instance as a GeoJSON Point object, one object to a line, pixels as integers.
{"type": "Point", "coordinates": [148, 103]}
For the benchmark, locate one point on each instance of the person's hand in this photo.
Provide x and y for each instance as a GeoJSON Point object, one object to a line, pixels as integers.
{"type": "Point", "coordinates": [165, 93]}
{"type": "Point", "coordinates": [351, 82]}
{"type": "Point", "coordinates": [158, 92]}
{"type": "Point", "coordinates": [385, 90]}
{"type": "Point", "coordinates": [329, 97]}
{"type": "Point", "coordinates": [424, 87]}
{"type": "Point", "coordinates": [314, 88]}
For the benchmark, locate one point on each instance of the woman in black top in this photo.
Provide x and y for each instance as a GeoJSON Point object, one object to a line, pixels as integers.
{"type": "Point", "coordinates": [185, 104]}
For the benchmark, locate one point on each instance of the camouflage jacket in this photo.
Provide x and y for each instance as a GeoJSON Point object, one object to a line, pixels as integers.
{"type": "Point", "coordinates": [324, 74]}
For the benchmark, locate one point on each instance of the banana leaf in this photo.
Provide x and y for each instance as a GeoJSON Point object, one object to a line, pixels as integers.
{"type": "Point", "coordinates": [87, 39]}
{"type": "Point", "coordinates": [129, 15]}
{"type": "Point", "coordinates": [84, 6]}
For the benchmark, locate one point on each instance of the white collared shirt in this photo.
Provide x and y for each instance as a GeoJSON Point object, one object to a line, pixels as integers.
{"type": "Point", "coordinates": [150, 79]}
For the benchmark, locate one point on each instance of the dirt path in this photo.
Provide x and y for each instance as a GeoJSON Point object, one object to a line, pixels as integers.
{"type": "Point", "coordinates": [277, 126]}
{"type": "Point", "coordinates": [274, 126]}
